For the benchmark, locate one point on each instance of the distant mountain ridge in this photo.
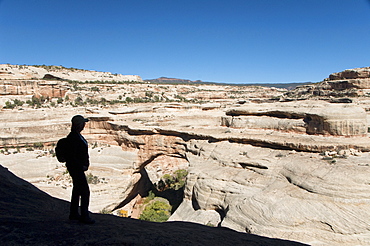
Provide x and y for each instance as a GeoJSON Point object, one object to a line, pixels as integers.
{"type": "Point", "coordinates": [166, 80]}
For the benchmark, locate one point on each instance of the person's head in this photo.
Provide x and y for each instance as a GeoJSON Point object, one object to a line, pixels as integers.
{"type": "Point", "coordinates": [78, 123]}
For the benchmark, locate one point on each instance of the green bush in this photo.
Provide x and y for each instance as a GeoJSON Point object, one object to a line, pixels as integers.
{"type": "Point", "coordinates": [91, 179]}
{"type": "Point", "coordinates": [129, 100]}
{"type": "Point", "coordinates": [18, 102]}
{"type": "Point", "coordinates": [79, 101]}
{"type": "Point", "coordinates": [176, 181]}
{"type": "Point", "coordinates": [15, 103]}
{"type": "Point", "coordinates": [38, 145]}
{"type": "Point", "coordinates": [157, 212]}
{"type": "Point", "coordinates": [9, 105]}
{"type": "Point", "coordinates": [149, 94]}
{"type": "Point", "coordinates": [35, 101]}
{"type": "Point", "coordinates": [181, 174]}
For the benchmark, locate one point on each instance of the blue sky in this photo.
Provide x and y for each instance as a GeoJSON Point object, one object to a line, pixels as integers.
{"type": "Point", "coordinates": [238, 41]}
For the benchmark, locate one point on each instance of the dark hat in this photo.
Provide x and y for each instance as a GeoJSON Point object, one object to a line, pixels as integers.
{"type": "Point", "coordinates": [78, 119]}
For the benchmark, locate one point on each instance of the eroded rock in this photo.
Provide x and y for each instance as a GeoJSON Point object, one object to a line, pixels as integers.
{"type": "Point", "coordinates": [319, 117]}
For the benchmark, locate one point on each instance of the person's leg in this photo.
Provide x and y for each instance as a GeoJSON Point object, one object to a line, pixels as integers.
{"type": "Point", "coordinates": [81, 189]}
{"type": "Point", "coordinates": [76, 193]}
{"type": "Point", "coordinates": [75, 200]}
{"type": "Point", "coordinates": [85, 197]}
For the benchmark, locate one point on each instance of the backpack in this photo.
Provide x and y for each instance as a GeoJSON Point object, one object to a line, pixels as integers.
{"type": "Point", "coordinates": [61, 150]}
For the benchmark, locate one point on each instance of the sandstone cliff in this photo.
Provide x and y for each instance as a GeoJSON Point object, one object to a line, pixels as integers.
{"type": "Point", "coordinates": [316, 117]}
{"type": "Point", "coordinates": [49, 81]}
{"type": "Point", "coordinates": [348, 83]}
{"type": "Point", "coordinates": [25, 72]}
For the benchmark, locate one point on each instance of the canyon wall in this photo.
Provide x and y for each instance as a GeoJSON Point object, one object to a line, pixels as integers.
{"type": "Point", "coordinates": [25, 72]}
{"type": "Point", "coordinates": [37, 88]}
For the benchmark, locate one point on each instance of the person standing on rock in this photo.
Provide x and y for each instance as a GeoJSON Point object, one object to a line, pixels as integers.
{"type": "Point", "coordinates": [77, 162]}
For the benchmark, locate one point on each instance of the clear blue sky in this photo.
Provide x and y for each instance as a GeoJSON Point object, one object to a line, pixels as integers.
{"type": "Point", "coordinates": [211, 40]}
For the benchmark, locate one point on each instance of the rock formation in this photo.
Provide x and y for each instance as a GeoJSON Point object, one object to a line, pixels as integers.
{"type": "Point", "coordinates": [24, 72]}
{"type": "Point", "coordinates": [356, 73]}
{"type": "Point", "coordinates": [349, 83]}
{"type": "Point", "coordinates": [33, 88]}
{"type": "Point", "coordinates": [316, 117]}
{"type": "Point", "coordinates": [259, 190]}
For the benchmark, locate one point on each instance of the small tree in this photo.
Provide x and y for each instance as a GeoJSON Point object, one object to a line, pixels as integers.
{"type": "Point", "coordinates": [157, 212]}
{"type": "Point", "coordinates": [35, 102]}
{"type": "Point", "coordinates": [176, 182]}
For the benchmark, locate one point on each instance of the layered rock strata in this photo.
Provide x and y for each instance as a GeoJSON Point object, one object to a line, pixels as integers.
{"type": "Point", "coordinates": [261, 191]}
{"type": "Point", "coordinates": [24, 72]}
{"type": "Point", "coordinates": [34, 88]}
{"type": "Point", "coordinates": [315, 117]}
{"type": "Point", "coordinates": [346, 84]}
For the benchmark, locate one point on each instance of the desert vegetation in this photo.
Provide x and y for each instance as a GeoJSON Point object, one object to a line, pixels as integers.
{"type": "Point", "coordinates": [175, 181]}
{"type": "Point", "coordinates": [156, 209]}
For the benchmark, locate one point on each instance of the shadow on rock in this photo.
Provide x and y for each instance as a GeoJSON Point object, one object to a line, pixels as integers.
{"type": "Point", "coordinates": [32, 217]}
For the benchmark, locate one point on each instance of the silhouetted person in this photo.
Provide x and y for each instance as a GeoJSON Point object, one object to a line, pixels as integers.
{"type": "Point", "coordinates": [77, 162]}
